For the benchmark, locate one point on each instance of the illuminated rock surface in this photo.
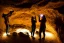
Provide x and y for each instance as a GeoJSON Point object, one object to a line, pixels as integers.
{"type": "Point", "coordinates": [22, 16]}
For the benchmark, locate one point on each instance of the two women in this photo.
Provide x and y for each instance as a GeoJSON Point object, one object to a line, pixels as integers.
{"type": "Point", "coordinates": [42, 20]}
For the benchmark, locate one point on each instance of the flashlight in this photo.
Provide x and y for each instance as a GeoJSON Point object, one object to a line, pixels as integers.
{"type": "Point", "coordinates": [41, 15]}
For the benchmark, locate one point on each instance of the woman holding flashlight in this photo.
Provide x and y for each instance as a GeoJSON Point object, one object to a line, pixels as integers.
{"type": "Point", "coordinates": [42, 20]}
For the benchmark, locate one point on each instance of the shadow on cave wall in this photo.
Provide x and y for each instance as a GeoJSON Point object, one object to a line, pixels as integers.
{"type": "Point", "coordinates": [60, 9]}
{"type": "Point", "coordinates": [60, 27]}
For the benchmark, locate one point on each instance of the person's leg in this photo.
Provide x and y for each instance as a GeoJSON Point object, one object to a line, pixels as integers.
{"type": "Point", "coordinates": [40, 34]}
{"type": "Point", "coordinates": [6, 28]}
{"type": "Point", "coordinates": [34, 30]}
{"type": "Point", "coordinates": [31, 32]}
{"type": "Point", "coordinates": [44, 34]}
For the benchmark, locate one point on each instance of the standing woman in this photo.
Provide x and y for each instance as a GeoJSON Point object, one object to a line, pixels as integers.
{"type": "Point", "coordinates": [42, 21]}
{"type": "Point", "coordinates": [33, 21]}
{"type": "Point", "coordinates": [6, 18]}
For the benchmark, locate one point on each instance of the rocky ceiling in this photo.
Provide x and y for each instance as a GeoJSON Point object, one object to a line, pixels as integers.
{"type": "Point", "coordinates": [23, 2]}
{"type": "Point", "coordinates": [56, 4]}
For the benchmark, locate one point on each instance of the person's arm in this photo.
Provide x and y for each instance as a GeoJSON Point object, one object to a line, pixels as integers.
{"type": "Point", "coordinates": [45, 19]}
{"type": "Point", "coordinates": [10, 13]}
{"type": "Point", "coordinates": [39, 18]}
{"type": "Point", "coordinates": [2, 15]}
{"type": "Point", "coordinates": [35, 19]}
{"type": "Point", "coordinates": [31, 19]}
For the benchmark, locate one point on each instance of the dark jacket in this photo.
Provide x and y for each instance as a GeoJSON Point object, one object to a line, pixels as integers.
{"type": "Point", "coordinates": [42, 23]}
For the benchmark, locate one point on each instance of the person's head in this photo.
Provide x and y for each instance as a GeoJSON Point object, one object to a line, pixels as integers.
{"type": "Point", "coordinates": [33, 14]}
{"type": "Point", "coordinates": [14, 34]}
{"type": "Point", "coordinates": [20, 34]}
{"type": "Point", "coordinates": [33, 17]}
{"type": "Point", "coordinates": [11, 11]}
{"type": "Point", "coordinates": [43, 16]}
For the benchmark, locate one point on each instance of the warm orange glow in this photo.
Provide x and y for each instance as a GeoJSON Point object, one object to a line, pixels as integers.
{"type": "Point", "coordinates": [26, 31]}
{"type": "Point", "coordinates": [5, 35]}
{"type": "Point", "coordinates": [48, 34]}
{"type": "Point", "coordinates": [23, 31]}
